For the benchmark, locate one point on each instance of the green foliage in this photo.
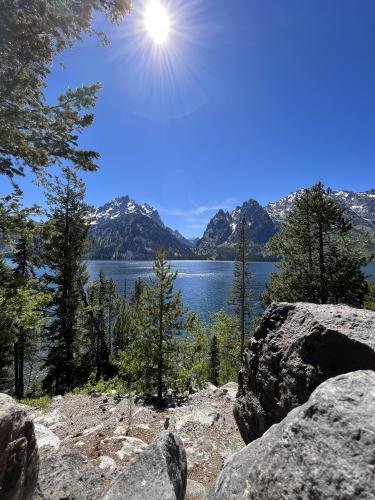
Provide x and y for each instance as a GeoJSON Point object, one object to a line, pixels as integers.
{"type": "Point", "coordinates": [41, 402]}
{"type": "Point", "coordinates": [101, 385]}
{"type": "Point", "coordinates": [369, 302]}
{"type": "Point", "coordinates": [226, 329]}
{"type": "Point", "coordinates": [21, 298]}
{"type": "Point", "coordinates": [241, 294]}
{"type": "Point", "coordinates": [319, 262]}
{"type": "Point", "coordinates": [102, 317]}
{"type": "Point", "coordinates": [65, 239]}
{"type": "Point", "coordinates": [33, 132]}
{"type": "Point", "coordinates": [193, 357]}
{"type": "Point", "coordinates": [162, 317]}
{"type": "Point", "coordinates": [131, 342]}
{"type": "Point", "coordinates": [214, 361]}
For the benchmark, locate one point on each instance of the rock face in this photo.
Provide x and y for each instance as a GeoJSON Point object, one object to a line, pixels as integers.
{"type": "Point", "coordinates": [221, 235]}
{"type": "Point", "coordinates": [19, 461]}
{"type": "Point", "coordinates": [322, 450]}
{"type": "Point", "coordinates": [296, 348]}
{"type": "Point", "coordinates": [68, 475]}
{"type": "Point", "coordinates": [359, 207]}
{"type": "Point", "coordinates": [124, 230]}
{"type": "Point", "coordinates": [159, 472]}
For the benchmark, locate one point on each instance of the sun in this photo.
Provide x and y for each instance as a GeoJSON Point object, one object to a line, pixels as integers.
{"type": "Point", "coordinates": [157, 22]}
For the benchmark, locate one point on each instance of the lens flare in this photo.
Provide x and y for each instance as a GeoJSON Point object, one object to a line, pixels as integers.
{"type": "Point", "coordinates": [157, 22]}
{"type": "Point", "coordinates": [162, 55]}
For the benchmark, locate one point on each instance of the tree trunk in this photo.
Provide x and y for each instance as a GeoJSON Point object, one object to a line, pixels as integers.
{"type": "Point", "coordinates": [323, 290]}
{"type": "Point", "coordinates": [160, 348]}
{"type": "Point", "coordinates": [16, 368]}
{"type": "Point", "coordinates": [243, 300]}
{"type": "Point", "coordinates": [21, 364]}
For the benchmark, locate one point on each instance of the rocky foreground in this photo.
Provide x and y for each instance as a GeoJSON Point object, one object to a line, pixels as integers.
{"type": "Point", "coordinates": [85, 441]}
{"type": "Point", "coordinates": [305, 404]}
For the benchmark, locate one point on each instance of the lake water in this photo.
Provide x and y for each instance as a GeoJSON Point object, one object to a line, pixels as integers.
{"type": "Point", "coordinates": [205, 285]}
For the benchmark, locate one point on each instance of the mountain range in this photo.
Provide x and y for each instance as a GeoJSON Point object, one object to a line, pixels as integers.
{"type": "Point", "coordinates": [125, 230]}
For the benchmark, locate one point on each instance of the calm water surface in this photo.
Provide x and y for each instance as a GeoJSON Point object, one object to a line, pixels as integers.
{"type": "Point", "coordinates": [205, 285]}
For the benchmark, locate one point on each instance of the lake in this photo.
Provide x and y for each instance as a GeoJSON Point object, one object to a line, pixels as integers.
{"type": "Point", "coordinates": [205, 285]}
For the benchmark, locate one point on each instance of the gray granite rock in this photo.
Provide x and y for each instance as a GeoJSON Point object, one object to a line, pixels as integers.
{"type": "Point", "coordinates": [195, 490]}
{"type": "Point", "coordinates": [158, 473]}
{"type": "Point", "coordinates": [68, 475]}
{"type": "Point", "coordinates": [19, 460]}
{"type": "Point", "coordinates": [296, 348]}
{"type": "Point", "coordinates": [325, 449]}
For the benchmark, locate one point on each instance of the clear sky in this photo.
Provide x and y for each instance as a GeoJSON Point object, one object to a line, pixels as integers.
{"type": "Point", "coordinates": [246, 99]}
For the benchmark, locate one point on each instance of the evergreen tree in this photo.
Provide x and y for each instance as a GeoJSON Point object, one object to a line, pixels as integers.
{"type": "Point", "coordinates": [65, 237]}
{"type": "Point", "coordinates": [214, 362]}
{"type": "Point", "coordinates": [369, 302]}
{"type": "Point", "coordinates": [123, 328]}
{"type": "Point", "coordinates": [132, 341]}
{"type": "Point", "coordinates": [319, 261]}
{"type": "Point", "coordinates": [34, 133]}
{"type": "Point", "coordinates": [136, 295]}
{"type": "Point", "coordinates": [194, 354]}
{"type": "Point", "coordinates": [24, 258]}
{"type": "Point", "coordinates": [21, 298]}
{"type": "Point", "coordinates": [240, 299]}
{"type": "Point", "coordinates": [128, 320]}
{"type": "Point", "coordinates": [102, 307]}
{"type": "Point", "coordinates": [226, 329]}
{"type": "Point", "coordinates": [163, 313]}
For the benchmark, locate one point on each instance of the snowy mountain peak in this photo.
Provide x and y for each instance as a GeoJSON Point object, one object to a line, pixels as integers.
{"type": "Point", "coordinates": [125, 206]}
{"type": "Point", "coordinates": [360, 207]}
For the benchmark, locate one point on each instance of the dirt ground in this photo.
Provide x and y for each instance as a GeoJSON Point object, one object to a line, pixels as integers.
{"type": "Point", "coordinates": [110, 432]}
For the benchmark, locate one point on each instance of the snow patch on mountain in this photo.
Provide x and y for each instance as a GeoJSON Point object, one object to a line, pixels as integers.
{"type": "Point", "coordinates": [360, 207]}
{"type": "Point", "coordinates": [124, 206]}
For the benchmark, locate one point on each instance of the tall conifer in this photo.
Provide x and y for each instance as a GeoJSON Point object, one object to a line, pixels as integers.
{"type": "Point", "coordinates": [65, 236]}
{"type": "Point", "coordinates": [320, 262]}
{"type": "Point", "coordinates": [240, 298]}
{"type": "Point", "coordinates": [163, 312]}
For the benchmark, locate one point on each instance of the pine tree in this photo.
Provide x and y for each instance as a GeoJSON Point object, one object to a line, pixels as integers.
{"type": "Point", "coordinates": [369, 302]}
{"type": "Point", "coordinates": [214, 362]}
{"type": "Point", "coordinates": [226, 329]}
{"type": "Point", "coordinates": [240, 299]}
{"type": "Point", "coordinates": [33, 132]}
{"type": "Point", "coordinates": [136, 294]}
{"type": "Point", "coordinates": [163, 312]}
{"type": "Point", "coordinates": [102, 307]}
{"type": "Point", "coordinates": [194, 354]}
{"type": "Point", "coordinates": [24, 258]}
{"type": "Point", "coordinates": [65, 236]}
{"type": "Point", "coordinates": [21, 297]}
{"type": "Point", "coordinates": [320, 262]}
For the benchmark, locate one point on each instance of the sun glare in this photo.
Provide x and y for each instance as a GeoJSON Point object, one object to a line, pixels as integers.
{"type": "Point", "coordinates": [157, 22]}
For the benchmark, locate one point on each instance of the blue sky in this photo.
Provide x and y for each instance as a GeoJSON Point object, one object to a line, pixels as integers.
{"type": "Point", "coordinates": [247, 99]}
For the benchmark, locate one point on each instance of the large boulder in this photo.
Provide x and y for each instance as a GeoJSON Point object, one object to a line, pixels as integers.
{"type": "Point", "coordinates": [159, 472]}
{"type": "Point", "coordinates": [325, 449]}
{"type": "Point", "coordinates": [295, 348]}
{"type": "Point", "coordinates": [19, 460]}
{"type": "Point", "coordinates": [68, 475]}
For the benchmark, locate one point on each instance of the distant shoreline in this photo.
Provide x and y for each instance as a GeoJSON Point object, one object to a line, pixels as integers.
{"type": "Point", "coordinates": [176, 260]}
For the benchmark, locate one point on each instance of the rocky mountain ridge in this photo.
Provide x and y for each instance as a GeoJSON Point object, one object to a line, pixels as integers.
{"type": "Point", "coordinates": [221, 235]}
{"type": "Point", "coordinates": [125, 230]}
{"type": "Point", "coordinates": [360, 207]}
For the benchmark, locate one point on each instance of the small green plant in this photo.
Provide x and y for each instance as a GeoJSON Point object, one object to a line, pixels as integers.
{"type": "Point", "coordinates": [105, 386]}
{"type": "Point", "coordinates": [41, 402]}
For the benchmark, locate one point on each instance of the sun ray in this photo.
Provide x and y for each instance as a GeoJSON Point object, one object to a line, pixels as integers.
{"type": "Point", "coordinates": [157, 22]}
